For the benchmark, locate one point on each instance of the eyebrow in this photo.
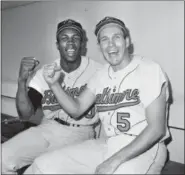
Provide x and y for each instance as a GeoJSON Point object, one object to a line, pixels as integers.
{"type": "Point", "coordinates": [113, 35]}
{"type": "Point", "coordinates": [103, 37]}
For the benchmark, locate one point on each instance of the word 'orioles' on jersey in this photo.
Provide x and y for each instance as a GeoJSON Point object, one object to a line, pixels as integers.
{"type": "Point", "coordinates": [122, 96]}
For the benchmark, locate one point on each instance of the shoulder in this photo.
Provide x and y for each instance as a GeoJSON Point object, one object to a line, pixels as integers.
{"type": "Point", "coordinates": [91, 66]}
{"type": "Point", "coordinates": [102, 72]}
{"type": "Point", "coordinates": [96, 82]}
{"type": "Point", "coordinates": [149, 67]}
{"type": "Point", "coordinates": [93, 63]}
{"type": "Point", "coordinates": [151, 80]}
{"type": "Point", "coordinates": [147, 62]}
{"type": "Point", "coordinates": [151, 73]}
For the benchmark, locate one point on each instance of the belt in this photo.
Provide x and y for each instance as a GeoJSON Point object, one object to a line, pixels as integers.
{"type": "Point", "coordinates": [66, 123]}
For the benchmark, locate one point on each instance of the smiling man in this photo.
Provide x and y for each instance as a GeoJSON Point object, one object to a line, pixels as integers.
{"type": "Point", "coordinates": [131, 95]}
{"type": "Point", "coordinates": [57, 129]}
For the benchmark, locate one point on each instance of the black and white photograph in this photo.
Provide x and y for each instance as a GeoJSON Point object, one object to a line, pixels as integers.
{"type": "Point", "coordinates": [92, 87]}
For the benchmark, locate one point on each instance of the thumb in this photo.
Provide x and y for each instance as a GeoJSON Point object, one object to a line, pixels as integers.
{"type": "Point", "coordinates": [32, 73]}
{"type": "Point", "coordinates": [34, 70]}
{"type": "Point", "coordinates": [37, 66]}
{"type": "Point", "coordinates": [57, 67]}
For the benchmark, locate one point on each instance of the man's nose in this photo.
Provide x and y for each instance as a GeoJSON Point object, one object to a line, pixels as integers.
{"type": "Point", "coordinates": [70, 41]}
{"type": "Point", "coordinates": [111, 42]}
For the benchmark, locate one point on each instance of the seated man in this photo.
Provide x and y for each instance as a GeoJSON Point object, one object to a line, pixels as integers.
{"type": "Point", "coordinates": [58, 128]}
{"type": "Point", "coordinates": [131, 96]}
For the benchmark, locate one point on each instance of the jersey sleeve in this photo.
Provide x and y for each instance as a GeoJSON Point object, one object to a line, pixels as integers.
{"type": "Point", "coordinates": [37, 82]}
{"type": "Point", "coordinates": [152, 86]}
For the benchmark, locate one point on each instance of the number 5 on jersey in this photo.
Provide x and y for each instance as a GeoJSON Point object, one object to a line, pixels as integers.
{"type": "Point", "coordinates": [123, 124]}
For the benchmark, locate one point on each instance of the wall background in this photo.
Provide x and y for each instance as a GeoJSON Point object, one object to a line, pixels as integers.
{"type": "Point", "coordinates": [157, 30]}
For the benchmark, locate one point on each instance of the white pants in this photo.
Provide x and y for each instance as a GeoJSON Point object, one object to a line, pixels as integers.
{"type": "Point", "coordinates": [83, 158]}
{"type": "Point", "coordinates": [23, 148]}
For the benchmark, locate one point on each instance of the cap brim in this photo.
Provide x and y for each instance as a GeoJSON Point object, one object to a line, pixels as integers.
{"type": "Point", "coordinates": [108, 25]}
{"type": "Point", "coordinates": [69, 27]}
{"type": "Point", "coordinates": [111, 21]}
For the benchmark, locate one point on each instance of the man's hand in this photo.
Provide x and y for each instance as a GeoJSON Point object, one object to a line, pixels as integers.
{"type": "Point", "coordinates": [52, 73]}
{"type": "Point", "coordinates": [109, 166]}
{"type": "Point", "coordinates": [27, 68]}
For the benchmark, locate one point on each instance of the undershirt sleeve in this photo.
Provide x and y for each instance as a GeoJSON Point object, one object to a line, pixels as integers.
{"type": "Point", "coordinates": [35, 98]}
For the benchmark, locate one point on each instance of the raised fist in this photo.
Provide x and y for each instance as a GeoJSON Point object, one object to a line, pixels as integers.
{"type": "Point", "coordinates": [52, 73]}
{"type": "Point", "coordinates": [27, 68]}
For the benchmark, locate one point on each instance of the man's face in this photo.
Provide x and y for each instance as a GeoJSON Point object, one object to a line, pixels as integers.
{"type": "Point", "coordinates": [112, 44]}
{"type": "Point", "coordinates": [69, 44]}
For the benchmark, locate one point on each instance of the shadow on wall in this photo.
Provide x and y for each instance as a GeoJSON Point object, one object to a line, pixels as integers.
{"type": "Point", "coordinates": [170, 101]}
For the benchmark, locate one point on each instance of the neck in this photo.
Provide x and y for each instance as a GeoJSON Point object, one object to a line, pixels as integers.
{"type": "Point", "coordinates": [126, 60]}
{"type": "Point", "coordinates": [70, 66]}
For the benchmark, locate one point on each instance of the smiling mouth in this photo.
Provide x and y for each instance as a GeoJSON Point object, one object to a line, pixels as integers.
{"type": "Point", "coordinates": [70, 52]}
{"type": "Point", "coordinates": [113, 53]}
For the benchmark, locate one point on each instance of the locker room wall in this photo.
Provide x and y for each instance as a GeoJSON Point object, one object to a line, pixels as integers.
{"type": "Point", "coordinates": [157, 31]}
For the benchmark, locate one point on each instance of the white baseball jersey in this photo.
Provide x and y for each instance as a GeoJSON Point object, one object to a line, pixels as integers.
{"type": "Point", "coordinates": [73, 83]}
{"type": "Point", "coordinates": [122, 96]}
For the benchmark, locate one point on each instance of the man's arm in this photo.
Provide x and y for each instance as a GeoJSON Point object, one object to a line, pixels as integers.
{"type": "Point", "coordinates": [75, 107]}
{"type": "Point", "coordinates": [24, 105]}
{"type": "Point", "coordinates": [27, 101]}
{"type": "Point", "coordinates": [155, 130]}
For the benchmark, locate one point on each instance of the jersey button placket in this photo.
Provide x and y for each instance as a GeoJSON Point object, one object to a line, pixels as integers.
{"type": "Point", "coordinates": [109, 128]}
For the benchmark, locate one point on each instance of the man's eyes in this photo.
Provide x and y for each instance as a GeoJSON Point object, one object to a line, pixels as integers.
{"type": "Point", "coordinates": [76, 38]}
{"type": "Point", "coordinates": [65, 38]}
{"type": "Point", "coordinates": [103, 39]}
{"type": "Point", "coordinates": [117, 36]}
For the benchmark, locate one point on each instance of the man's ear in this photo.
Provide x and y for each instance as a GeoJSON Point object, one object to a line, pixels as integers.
{"type": "Point", "coordinates": [57, 45]}
{"type": "Point", "coordinates": [98, 46]}
{"type": "Point", "coordinates": [127, 41]}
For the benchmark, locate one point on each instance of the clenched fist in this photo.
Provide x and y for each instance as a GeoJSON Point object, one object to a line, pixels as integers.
{"type": "Point", "coordinates": [27, 67]}
{"type": "Point", "coordinates": [52, 73]}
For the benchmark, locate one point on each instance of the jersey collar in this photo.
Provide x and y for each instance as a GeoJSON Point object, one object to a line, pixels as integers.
{"type": "Point", "coordinates": [129, 68]}
{"type": "Point", "coordinates": [84, 63]}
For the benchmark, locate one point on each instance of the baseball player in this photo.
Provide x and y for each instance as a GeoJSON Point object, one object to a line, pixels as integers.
{"type": "Point", "coordinates": [57, 128]}
{"type": "Point", "coordinates": [131, 96]}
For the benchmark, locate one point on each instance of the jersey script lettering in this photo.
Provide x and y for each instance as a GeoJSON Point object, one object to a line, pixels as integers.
{"type": "Point", "coordinates": [108, 101]}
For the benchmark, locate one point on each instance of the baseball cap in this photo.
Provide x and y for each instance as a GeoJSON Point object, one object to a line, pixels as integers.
{"type": "Point", "coordinates": [69, 23]}
{"type": "Point", "coordinates": [108, 20]}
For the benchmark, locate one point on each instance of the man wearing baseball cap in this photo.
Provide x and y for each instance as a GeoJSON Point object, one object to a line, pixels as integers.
{"type": "Point", "coordinates": [133, 113]}
{"type": "Point", "coordinates": [57, 129]}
